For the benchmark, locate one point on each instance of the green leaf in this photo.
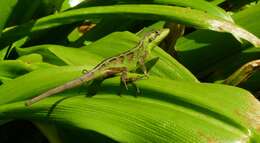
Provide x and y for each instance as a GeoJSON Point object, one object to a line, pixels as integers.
{"type": "Point", "coordinates": [227, 66]}
{"type": "Point", "coordinates": [31, 58]}
{"type": "Point", "coordinates": [6, 8]}
{"type": "Point", "coordinates": [3, 53]}
{"type": "Point", "coordinates": [200, 5]}
{"type": "Point", "coordinates": [165, 111]}
{"type": "Point", "coordinates": [35, 82]}
{"type": "Point", "coordinates": [12, 69]}
{"type": "Point", "coordinates": [185, 16]}
{"type": "Point", "coordinates": [194, 4]}
{"type": "Point", "coordinates": [172, 105]}
{"type": "Point", "coordinates": [61, 55]}
{"type": "Point", "coordinates": [104, 27]}
{"type": "Point", "coordinates": [247, 19]}
{"type": "Point", "coordinates": [216, 2]}
{"type": "Point", "coordinates": [201, 49]}
{"type": "Point", "coordinates": [20, 14]}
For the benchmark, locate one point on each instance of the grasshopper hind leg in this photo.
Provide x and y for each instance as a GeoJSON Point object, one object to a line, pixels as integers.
{"type": "Point", "coordinates": [125, 79]}
{"type": "Point", "coordinates": [129, 80]}
{"type": "Point", "coordinates": [136, 89]}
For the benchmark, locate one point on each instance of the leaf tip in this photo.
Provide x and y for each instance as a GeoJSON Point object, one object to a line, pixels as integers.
{"type": "Point", "coordinates": [238, 32]}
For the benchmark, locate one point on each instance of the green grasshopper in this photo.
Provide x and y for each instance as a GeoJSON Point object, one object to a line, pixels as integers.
{"type": "Point", "coordinates": [121, 64]}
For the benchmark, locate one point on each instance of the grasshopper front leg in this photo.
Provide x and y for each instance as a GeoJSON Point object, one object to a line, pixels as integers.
{"type": "Point", "coordinates": [118, 70]}
{"type": "Point", "coordinates": [143, 67]}
{"type": "Point", "coordinates": [124, 78]}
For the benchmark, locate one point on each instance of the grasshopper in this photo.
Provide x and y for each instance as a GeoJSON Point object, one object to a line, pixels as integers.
{"type": "Point", "coordinates": [121, 64]}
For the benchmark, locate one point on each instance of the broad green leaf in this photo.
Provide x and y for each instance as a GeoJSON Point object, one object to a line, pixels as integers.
{"type": "Point", "coordinates": [201, 49]}
{"type": "Point", "coordinates": [12, 69]}
{"type": "Point", "coordinates": [31, 58]}
{"type": "Point", "coordinates": [194, 4]}
{"type": "Point", "coordinates": [225, 67]}
{"type": "Point", "coordinates": [61, 55]}
{"type": "Point", "coordinates": [169, 109]}
{"type": "Point", "coordinates": [165, 111]}
{"type": "Point", "coordinates": [247, 19]}
{"type": "Point", "coordinates": [198, 4]}
{"type": "Point", "coordinates": [122, 23]}
{"type": "Point", "coordinates": [35, 82]}
{"type": "Point", "coordinates": [104, 27]}
{"type": "Point", "coordinates": [181, 15]}
{"type": "Point", "coordinates": [170, 68]}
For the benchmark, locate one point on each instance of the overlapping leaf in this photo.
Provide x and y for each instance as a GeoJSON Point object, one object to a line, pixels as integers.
{"type": "Point", "coordinates": [172, 106]}
{"type": "Point", "coordinates": [111, 115]}
{"type": "Point", "coordinates": [171, 13]}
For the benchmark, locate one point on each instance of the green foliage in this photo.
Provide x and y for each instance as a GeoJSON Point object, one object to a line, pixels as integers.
{"type": "Point", "coordinates": [42, 47]}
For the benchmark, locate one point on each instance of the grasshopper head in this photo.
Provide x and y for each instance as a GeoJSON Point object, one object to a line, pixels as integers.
{"type": "Point", "coordinates": [155, 37]}
{"type": "Point", "coordinates": [151, 40]}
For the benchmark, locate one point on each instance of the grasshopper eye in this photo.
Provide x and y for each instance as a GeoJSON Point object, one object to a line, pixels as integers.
{"type": "Point", "coordinates": [84, 71]}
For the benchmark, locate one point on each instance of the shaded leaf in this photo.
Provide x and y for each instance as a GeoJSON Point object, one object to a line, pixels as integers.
{"type": "Point", "coordinates": [201, 49]}
{"type": "Point", "coordinates": [6, 8]}
{"type": "Point", "coordinates": [185, 16]}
